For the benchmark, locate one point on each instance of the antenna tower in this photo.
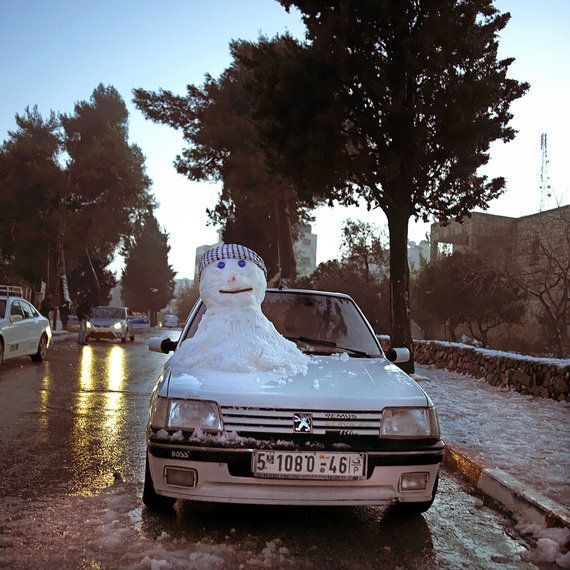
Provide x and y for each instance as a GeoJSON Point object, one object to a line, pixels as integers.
{"type": "Point", "coordinates": [544, 177]}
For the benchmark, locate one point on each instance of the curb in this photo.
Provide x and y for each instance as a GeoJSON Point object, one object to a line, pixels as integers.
{"type": "Point", "coordinates": [511, 493]}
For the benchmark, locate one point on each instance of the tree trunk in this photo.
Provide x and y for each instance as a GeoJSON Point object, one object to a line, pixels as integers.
{"type": "Point", "coordinates": [286, 252]}
{"type": "Point", "coordinates": [401, 334]}
{"type": "Point", "coordinates": [451, 323]}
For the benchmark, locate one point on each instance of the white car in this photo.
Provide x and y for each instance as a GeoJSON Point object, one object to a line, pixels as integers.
{"type": "Point", "coordinates": [110, 323]}
{"type": "Point", "coordinates": [23, 331]}
{"type": "Point", "coordinates": [170, 321]}
{"type": "Point", "coordinates": [138, 322]}
{"type": "Point", "coordinates": [354, 430]}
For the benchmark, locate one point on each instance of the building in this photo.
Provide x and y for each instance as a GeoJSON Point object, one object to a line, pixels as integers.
{"type": "Point", "coordinates": [502, 240]}
{"type": "Point", "coordinates": [200, 251]}
{"type": "Point", "coordinates": [533, 250]}
{"type": "Point", "coordinates": [179, 285]}
{"type": "Point", "coordinates": [305, 249]}
{"type": "Point", "coordinates": [418, 253]}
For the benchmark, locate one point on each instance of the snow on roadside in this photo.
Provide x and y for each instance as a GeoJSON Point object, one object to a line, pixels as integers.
{"type": "Point", "coordinates": [550, 543]}
{"type": "Point", "coordinates": [105, 531]}
{"type": "Point", "coordinates": [562, 362]}
{"type": "Point", "coordinates": [526, 437]}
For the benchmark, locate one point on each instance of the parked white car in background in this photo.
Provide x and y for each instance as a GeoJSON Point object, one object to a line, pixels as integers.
{"type": "Point", "coordinates": [354, 430]}
{"type": "Point", "coordinates": [23, 331]}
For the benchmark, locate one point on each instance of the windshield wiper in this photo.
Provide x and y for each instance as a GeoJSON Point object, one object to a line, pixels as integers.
{"type": "Point", "coordinates": [330, 343]}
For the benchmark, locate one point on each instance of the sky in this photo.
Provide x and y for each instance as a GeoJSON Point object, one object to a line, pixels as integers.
{"type": "Point", "coordinates": [55, 53]}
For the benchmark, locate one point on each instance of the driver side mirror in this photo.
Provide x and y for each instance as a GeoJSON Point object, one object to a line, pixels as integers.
{"type": "Point", "coordinates": [398, 355]}
{"type": "Point", "coordinates": [160, 344]}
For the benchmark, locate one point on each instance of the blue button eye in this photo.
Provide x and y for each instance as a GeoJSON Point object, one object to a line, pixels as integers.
{"type": "Point", "coordinates": [221, 264]}
{"type": "Point", "coordinates": [241, 263]}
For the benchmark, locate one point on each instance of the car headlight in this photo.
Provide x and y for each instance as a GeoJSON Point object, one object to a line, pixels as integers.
{"type": "Point", "coordinates": [409, 423]}
{"type": "Point", "coordinates": [117, 326]}
{"type": "Point", "coordinates": [190, 414]}
{"type": "Point", "coordinates": [159, 412]}
{"type": "Point", "coordinates": [185, 414]}
{"type": "Point", "coordinates": [88, 325]}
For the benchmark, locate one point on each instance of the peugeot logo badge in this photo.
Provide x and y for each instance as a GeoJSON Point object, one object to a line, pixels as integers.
{"type": "Point", "coordinates": [302, 423]}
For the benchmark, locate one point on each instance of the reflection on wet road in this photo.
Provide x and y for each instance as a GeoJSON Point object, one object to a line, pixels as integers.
{"type": "Point", "coordinates": [77, 418]}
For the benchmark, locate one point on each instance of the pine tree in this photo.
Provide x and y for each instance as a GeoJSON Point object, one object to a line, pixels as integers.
{"type": "Point", "coordinates": [148, 279]}
{"type": "Point", "coordinates": [413, 93]}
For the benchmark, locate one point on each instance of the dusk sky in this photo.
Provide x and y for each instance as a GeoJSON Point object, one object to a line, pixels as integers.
{"type": "Point", "coordinates": [55, 53]}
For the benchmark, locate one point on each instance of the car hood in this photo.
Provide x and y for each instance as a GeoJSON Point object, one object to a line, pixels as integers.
{"type": "Point", "coordinates": [98, 321]}
{"type": "Point", "coordinates": [331, 383]}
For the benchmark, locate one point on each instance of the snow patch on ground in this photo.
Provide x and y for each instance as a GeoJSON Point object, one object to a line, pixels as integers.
{"type": "Point", "coordinates": [551, 542]}
{"type": "Point", "coordinates": [526, 437]}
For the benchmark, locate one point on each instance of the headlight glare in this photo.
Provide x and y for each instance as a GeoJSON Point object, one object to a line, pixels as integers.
{"type": "Point", "coordinates": [190, 414]}
{"type": "Point", "coordinates": [409, 423]}
{"type": "Point", "coordinates": [117, 326]}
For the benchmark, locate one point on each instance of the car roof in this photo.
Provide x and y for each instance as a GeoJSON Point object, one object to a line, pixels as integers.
{"type": "Point", "coordinates": [309, 292]}
{"type": "Point", "coordinates": [303, 292]}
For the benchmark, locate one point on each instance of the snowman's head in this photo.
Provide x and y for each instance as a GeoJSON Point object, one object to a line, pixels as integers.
{"type": "Point", "coordinates": [232, 275]}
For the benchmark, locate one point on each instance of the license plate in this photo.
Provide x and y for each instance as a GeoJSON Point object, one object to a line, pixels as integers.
{"type": "Point", "coordinates": [308, 465]}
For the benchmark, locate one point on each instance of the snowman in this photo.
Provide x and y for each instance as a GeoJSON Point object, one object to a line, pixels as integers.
{"type": "Point", "coordinates": [234, 334]}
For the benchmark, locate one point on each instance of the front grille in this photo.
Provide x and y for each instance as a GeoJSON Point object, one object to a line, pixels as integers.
{"type": "Point", "coordinates": [269, 421]}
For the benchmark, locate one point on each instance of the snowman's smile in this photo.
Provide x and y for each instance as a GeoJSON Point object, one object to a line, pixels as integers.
{"type": "Point", "coordinates": [233, 291]}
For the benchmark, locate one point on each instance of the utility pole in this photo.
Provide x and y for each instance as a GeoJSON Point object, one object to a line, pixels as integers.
{"type": "Point", "coordinates": [545, 191]}
{"type": "Point", "coordinates": [61, 285]}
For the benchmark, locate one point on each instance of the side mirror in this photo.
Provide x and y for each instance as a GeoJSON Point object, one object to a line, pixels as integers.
{"type": "Point", "coordinates": [160, 344]}
{"type": "Point", "coordinates": [398, 355]}
{"type": "Point", "coordinates": [16, 318]}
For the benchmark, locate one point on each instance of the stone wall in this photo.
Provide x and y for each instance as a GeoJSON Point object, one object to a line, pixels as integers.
{"type": "Point", "coordinates": [544, 377]}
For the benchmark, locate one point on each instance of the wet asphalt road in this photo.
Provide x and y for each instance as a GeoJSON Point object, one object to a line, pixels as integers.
{"type": "Point", "coordinates": [69, 424]}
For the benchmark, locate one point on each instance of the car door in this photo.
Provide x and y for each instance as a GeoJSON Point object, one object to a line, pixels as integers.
{"type": "Point", "coordinates": [14, 333]}
{"type": "Point", "coordinates": [33, 327]}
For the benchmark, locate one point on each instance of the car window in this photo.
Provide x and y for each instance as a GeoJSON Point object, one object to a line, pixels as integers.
{"type": "Point", "coordinates": [109, 313]}
{"type": "Point", "coordinates": [320, 317]}
{"type": "Point", "coordinates": [27, 309]}
{"type": "Point", "coordinates": [15, 309]}
{"type": "Point", "coordinates": [2, 308]}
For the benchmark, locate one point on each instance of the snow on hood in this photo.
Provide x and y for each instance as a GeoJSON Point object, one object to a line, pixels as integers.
{"type": "Point", "coordinates": [331, 382]}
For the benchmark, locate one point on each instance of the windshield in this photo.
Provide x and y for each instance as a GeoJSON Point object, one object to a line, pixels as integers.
{"type": "Point", "coordinates": [109, 313]}
{"type": "Point", "coordinates": [320, 324]}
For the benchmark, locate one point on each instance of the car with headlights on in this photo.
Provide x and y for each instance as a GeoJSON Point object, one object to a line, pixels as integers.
{"type": "Point", "coordinates": [23, 331]}
{"type": "Point", "coordinates": [110, 323]}
{"type": "Point", "coordinates": [354, 430]}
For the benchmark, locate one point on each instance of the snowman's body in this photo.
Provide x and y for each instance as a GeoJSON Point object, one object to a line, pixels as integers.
{"type": "Point", "coordinates": [234, 334]}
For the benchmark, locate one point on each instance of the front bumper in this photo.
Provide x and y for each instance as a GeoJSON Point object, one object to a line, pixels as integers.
{"type": "Point", "coordinates": [225, 475]}
{"type": "Point", "coordinates": [107, 332]}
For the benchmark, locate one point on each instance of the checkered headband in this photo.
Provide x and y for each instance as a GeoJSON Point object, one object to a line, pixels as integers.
{"type": "Point", "coordinates": [230, 251]}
